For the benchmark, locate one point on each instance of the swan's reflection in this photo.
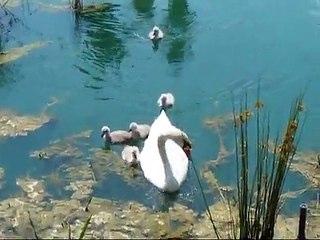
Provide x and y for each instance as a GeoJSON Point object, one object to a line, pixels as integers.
{"type": "Point", "coordinates": [180, 20]}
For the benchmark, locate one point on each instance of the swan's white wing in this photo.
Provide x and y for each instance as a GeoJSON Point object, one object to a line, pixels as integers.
{"type": "Point", "coordinates": [160, 35]}
{"type": "Point", "coordinates": [153, 168]}
{"type": "Point", "coordinates": [178, 160]}
{"type": "Point", "coordinates": [151, 163]}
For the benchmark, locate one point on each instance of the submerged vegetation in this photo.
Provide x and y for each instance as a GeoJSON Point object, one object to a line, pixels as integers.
{"type": "Point", "coordinates": [13, 124]}
{"type": "Point", "coordinates": [250, 209]}
{"type": "Point", "coordinates": [18, 52]}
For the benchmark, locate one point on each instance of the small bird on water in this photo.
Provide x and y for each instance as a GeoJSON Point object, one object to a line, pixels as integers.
{"type": "Point", "coordinates": [130, 154]}
{"type": "Point", "coordinates": [156, 34]}
{"type": "Point", "coordinates": [115, 137]}
{"type": "Point", "coordinates": [139, 131]}
{"type": "Point", "coordinates": [166, 101]}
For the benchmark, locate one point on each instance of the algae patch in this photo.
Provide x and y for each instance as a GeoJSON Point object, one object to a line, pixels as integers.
{"type": "Point", "coordinates": [13, 124]}
{"type": "Point", "coordinates": [81, 180]}
{"type": "Point", "coordinates": [15, 53]}
{"type": "Point", "coordinates": [34, 189]}
{"type": "Point", "coordinates": [308, 164]}
{"type": "Point", "coordinates": [107, 162]}
{"type": "Point", "coordinates": [65, 148]}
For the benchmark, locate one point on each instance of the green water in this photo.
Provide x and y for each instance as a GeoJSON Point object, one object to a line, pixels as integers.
{"type": "Point", "coordinates": [210, 49]}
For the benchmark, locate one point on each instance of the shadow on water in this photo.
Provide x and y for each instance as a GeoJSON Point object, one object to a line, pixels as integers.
{"type": "Point", "coordinates": [101, 40]}
{"type": "Point", "coordinates": [180, 20]}
{"type": "Point", "coordinates": [144, 8]}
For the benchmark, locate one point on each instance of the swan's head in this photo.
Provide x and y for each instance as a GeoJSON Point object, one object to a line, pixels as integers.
{"type": "Point", "coordinates": [162, 100]}
{"type": "Point", "coordinates": [155, 31]}
{"type": "Point", "coordinates": [135, 154]}
{"type": "Point", "coordinates": [133, 126]}
{"type": "Point", "coordinates": [187, 145]}
{"type": "Point", "coordinates": [166, 100]}
{"type": "Point", "coordinates": [104, 131]}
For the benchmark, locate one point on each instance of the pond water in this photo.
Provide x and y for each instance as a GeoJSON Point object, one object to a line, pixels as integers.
{"type": "Point", "coordinates": [106, 72]}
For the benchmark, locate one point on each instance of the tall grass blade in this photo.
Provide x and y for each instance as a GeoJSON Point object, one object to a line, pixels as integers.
{"type": "Point", "coordinates": [32, 226]}
{"type": "Point", "coordinates": [259, 195]}
{"type": "Point", "coordinates": [205, 201]}
{"type": "Point", "coordinates": [85, 227]}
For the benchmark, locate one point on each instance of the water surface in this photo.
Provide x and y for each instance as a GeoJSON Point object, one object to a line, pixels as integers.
{"type": "Point", "coordinates": [210, 49]}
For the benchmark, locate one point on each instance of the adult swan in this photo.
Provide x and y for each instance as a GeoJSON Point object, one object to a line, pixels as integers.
{"type": "Point", "coordinates": [162, 159]}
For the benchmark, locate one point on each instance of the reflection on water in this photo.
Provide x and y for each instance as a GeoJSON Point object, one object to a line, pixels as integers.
{"type": "Point", "coordinates": [103, 43]}
{"type": "Point", "coordinates": [144, 8]}
{"type": "Point", "coordinates": [7, 74]}
{"type": "Point", "coordinates": [180, 20]}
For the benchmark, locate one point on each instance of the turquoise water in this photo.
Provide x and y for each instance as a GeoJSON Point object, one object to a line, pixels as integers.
{"type": "Point", "coordinates": [210, 48]}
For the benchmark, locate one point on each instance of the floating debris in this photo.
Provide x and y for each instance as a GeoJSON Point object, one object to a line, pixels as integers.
{"type": "Point", "coordinates": [12, 124]}
{"type": "Point", "coordinates": [15, 53]}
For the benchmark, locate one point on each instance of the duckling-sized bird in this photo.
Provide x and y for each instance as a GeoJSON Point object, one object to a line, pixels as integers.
{"type": "Point", "coordinates": [139, 131]}
{"type": "Point", "coordinates": [156, 34]}
{"type": "Point", "coordinates": [115, 137]}
{"type": "Point", "coordinates": [130, 154]}
{"type": "Point", "coordinates": [166, 101]}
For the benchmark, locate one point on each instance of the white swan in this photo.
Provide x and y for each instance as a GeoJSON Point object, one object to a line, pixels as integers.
{"type": "Point", "coordinates": [155, 34]}
{"type": "Point", "coordinates": [162, 159]}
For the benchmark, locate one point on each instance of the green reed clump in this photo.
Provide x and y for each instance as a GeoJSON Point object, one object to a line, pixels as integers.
{"type": "Point", "coordinates": [258, 195]}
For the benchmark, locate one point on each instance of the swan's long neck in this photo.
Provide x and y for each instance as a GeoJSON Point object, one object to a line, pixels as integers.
{"type": "Point", "coordinates": [173, 134]}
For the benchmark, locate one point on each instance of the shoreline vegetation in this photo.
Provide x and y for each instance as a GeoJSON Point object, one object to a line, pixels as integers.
{"type": "Point", "coordinates": [250, 209]}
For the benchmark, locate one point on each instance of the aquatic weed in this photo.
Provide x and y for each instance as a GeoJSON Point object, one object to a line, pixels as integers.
{"type": "Point", "coordinates": [259, 202]}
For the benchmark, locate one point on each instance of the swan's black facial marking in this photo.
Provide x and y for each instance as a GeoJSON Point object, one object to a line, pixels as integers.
{"type": "Point", "coordinates": [187, 148]}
